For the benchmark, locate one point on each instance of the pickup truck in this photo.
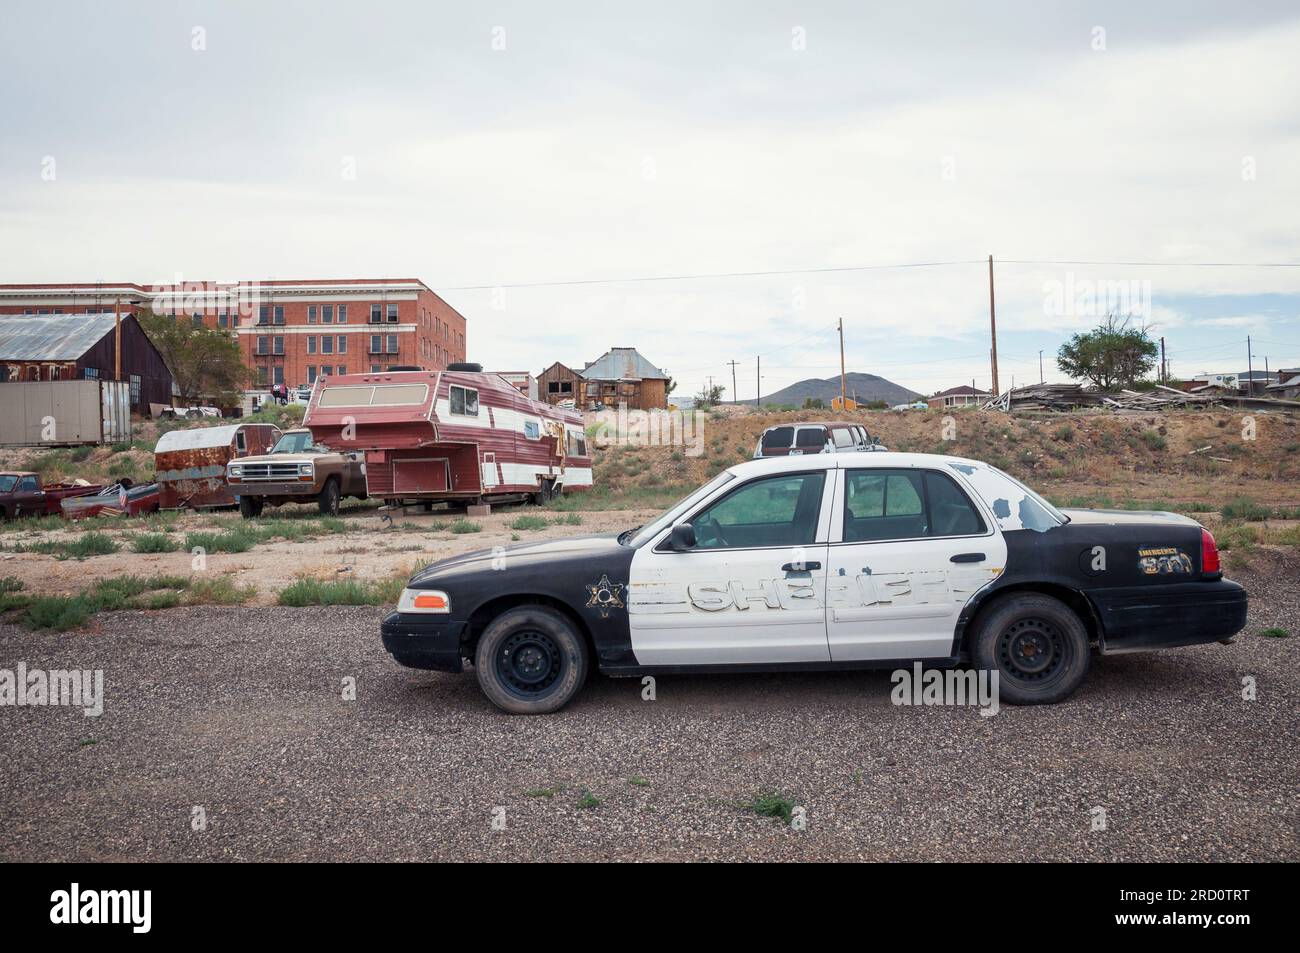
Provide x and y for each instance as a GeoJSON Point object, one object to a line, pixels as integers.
{"type": "Point", "coordinates": [297, 470]}
{"type": "Point", "coordinates": [23, 494]}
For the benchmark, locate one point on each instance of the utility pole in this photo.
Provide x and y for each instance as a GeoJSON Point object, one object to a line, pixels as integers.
{"type": "Point", "coordinates": [735, 394]}
{"type": "Point", "coordinates": [1250, 370]}
{"type": "Point", "coordinates": [1040, 367]}
{"type": "Point", "coordinates": [758, 381]}
{"type": "Point", "coordinates": [117, 340]}
{"type": "Point", "coordinates": [1164, 367]}
{"type": "Point", "coordinates": [993, 329]}
{"type": "Point", "coordinates": [844, 397]}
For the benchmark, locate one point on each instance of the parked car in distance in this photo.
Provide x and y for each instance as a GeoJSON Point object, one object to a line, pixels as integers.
{"type": "Point", "coordinates": [816, 437]}
{"type": "Point", "coordinates": [296, 470]}
{"type": "Point", "coordinates": [23, 493]}
{"type": "Point", "coordinates": [118, 499]}
{"type": "Point", "coordinates": [832, 561]}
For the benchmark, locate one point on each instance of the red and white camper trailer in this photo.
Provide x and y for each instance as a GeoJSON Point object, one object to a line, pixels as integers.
{"type": "Point", "coordinates": [450, 435]}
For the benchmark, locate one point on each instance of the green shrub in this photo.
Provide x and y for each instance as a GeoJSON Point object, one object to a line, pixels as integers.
{"type": "Point", "coordinates": [1153, 440]}
{"type": "Point", "coordinates": [528, 522]}
{"type": "Point", "coordinates": [1244, 508]}
{"type": "Point", "coordinates": [772, 804]}
{"type": "Point", "coordinates": [346, 592]}
{"type": "Point", "coordinates": [154, 543]}
{"type": "Point", "coordinates": [462, 526]}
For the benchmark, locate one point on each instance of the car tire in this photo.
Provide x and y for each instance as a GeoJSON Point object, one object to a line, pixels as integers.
{"type": "Point", "coordinates": [530, 661]}
{"type": "Point", "coordinates": [250, 507]}
{"type": "Point", "coordinates": [328, 500]}
{"type": "Point", "coordinates": [1036, 644]}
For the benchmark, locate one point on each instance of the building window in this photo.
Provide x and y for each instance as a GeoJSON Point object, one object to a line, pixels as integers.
{"type": "Point", "coordinates": [279, 314]}
{"type": "Point", "coordinates": [135, 389]}
{"type": "Point", "coordinates": [324, 370]}
{"type": "Point", "coordinates": [263, 344]}
{"type": "Point", "coordinates": [392, 314]}
{"type": "Point", "coordinates": [392, 344]}
{"type": "Point", "coordinates": [279, 373]}
{"type": "Point", "coordinates": [374, 368]}
{"type": "Point", "coordinates": [261, 375]}
{"type": "Point", "coordinates": [343, 344]}
{"type": "Point", "coordinates": [311, 344]}
{"type": "Point", "coordinates": [343, 368]}
{"type": "Point", "coordinates": [464, 401]}
{"type": "Point", "coordinates": [197, 319]}
{"type": "Point", "coordinates": [311, 373]}
{"type": "Point", "coordinates": [223, 320]}
{"type": "Point", "coordinates": [277, 346]}
{"type": "Point", "coordinates": [326, 344]}
{"type": "Point", "coordinates": [343, 314]}
{"type": "Point", "coordinates": [234, 320]}
{"type": "Point", "coordinates": [327, 314]}
{"type": "Point", "coordinates": [58, 310]}
{"type": "Point", "coordinates": [376, 345]}
{"type": "Point", "coordinates": [90, 373]}
{"type": "Point", "coordinates": [263, 315]}
{"type": "Point", "coordinates": [311, 314]}
{"type": "Point", "coordinates": [376, 315]}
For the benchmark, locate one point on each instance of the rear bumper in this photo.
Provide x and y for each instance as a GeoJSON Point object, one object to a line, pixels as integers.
{"type": "Point", "coordinates": [1149, 617]}
{"type": "Point", "coordinates": [418, 642]}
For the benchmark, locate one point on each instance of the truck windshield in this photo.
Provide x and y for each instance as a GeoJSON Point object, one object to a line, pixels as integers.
{"type": "Point", "coordinates": [650, 530]}
{"type": "Point", "coordinates": [7, 483]}
{"type": "Point", "coordinates": [300, 442]}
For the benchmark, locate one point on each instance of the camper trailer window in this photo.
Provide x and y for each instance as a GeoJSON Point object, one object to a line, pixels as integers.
{"type": "Point", "coordinates": [575, 443]}
{"type": "Point", "coordinates": [464, 401]}
{"type": "Point", "coordinates": [399, 395]}
{"type": "Point", "coordinates": [531, 430]}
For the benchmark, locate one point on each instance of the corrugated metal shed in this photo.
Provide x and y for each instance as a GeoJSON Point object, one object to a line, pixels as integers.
{"type": "Point", "coordinates": [621, 364]}
{"type": "Point", "coordinates": [51, 337]}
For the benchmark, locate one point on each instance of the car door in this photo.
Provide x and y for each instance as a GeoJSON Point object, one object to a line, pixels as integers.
{"type": "Point", "coordinates": [28, 497]}
{"type": "Point", "coordinates": [909, 547]}
{"type": "Point", "coordinates": [752, 589]}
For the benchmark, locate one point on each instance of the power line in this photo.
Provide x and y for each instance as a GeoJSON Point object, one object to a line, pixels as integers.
{"type": "Point", "coordinates": [1154, 264]}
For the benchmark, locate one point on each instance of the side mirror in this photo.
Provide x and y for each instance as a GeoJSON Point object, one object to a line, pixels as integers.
{"type": "Point", "coordinates": [682, 537]}
{"type": "Point", "coordinates": [875, 441]}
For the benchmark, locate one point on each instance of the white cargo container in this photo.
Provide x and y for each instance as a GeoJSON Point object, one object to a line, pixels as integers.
{"type": "Point", "coordinates": [64, 413]}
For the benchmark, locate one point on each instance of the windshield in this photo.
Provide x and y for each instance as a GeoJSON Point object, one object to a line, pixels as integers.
{"type": "Point", "coordinates": [1013, 504]}
{"type": "Point", "coordinates": [7, 483]}
{"type": "Point", "coordinates": [670, 515]}
{"type": "Point", "coordinates": [297, 442]}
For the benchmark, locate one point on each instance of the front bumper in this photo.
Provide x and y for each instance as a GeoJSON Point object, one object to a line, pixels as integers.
{"type": "Point", "coordinates": [259, 488]}
{"type": "Point", "coordinates": [1160, 617]}
{"type": "Point", "coordinates": [423, 641]}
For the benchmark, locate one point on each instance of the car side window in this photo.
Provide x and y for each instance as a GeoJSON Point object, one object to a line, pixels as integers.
{"type": "Point", "coordinates": [810, 438]}
{"type": "Point", "coordinates": [773, 511]}
{"type": "Point", "coordinates": [843, 437]}
{"type": "Point", "coordinates": [28, 484]}
{"type": "Point", "coordinates": [778, 438]}
{"type": "Point", "coordinates": [884, 505]}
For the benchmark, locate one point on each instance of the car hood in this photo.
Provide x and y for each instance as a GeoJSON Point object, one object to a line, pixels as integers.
{"type": "Point", "coordinates": [543, 551]}
{"type": "Point", "coordinates": [1127, 518]}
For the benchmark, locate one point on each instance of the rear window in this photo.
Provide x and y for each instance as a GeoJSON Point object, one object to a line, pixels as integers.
{"type": "Point", "coordinates": [811, 437]}
{"type": "Point", "coordinates": [778, 438]}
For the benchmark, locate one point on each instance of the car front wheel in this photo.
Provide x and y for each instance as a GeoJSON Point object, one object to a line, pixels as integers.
{"type": "Point", "coordinates": [530, 661]}
{"type": "Point", "coordinates": [1038, 647]}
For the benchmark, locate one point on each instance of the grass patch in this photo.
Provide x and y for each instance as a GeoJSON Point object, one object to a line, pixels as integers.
{"type": "Point", "coordinates": [568, 519]}
{"type": "Point", "coordinates": [588, 801]}
{"type": "Point", "coordinates": [108, 595]}
{"type": "Point", "coordinates": [529, 522]}
{"type": "Point", "coordinates": [86, 545]}
{"type": "Point", "coordinates": [342, 592]}
{"type": "Point", "coordinates": [1153, 440]}
{"type": "Point", "coordinates": [463, 526]}
{"type": "Point", "coordinates": [1244, 508]}
{"type": "Point", "coordinates": [238, 539]}
{"type": "Point", "coordinates": [542, 792]}
{"type": "Point", "coordinates": [218, 591]}
{"type": "Point", "coordinates": [772, 804]}
{"type": "Point", "coordinates": [154, 543]}
{"type": "Point", "coordinates": [638, 782]}
{"type": "Point", "coordinates": [1275, 633]}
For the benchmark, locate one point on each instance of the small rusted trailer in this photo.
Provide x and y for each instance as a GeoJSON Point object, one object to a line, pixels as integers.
{"type": "Point", "coordinates": [453, 435]}
{"type": "Point", "coordinates": [190, 465]}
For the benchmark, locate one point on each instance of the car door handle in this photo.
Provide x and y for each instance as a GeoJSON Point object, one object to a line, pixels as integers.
{"type": "Point", "coordinates": [800, 567]}
{"type": "Point", "coordinates": [968, 558]}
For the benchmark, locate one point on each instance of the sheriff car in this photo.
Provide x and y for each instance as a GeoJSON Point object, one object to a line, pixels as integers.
{"type": "Point", "coordinates": [833, 561]}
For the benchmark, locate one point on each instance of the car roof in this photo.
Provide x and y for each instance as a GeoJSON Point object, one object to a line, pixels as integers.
{"type": "Point", "coordinates": [874, 459]}
{"type": "Point", "coordinates": [813, 423]}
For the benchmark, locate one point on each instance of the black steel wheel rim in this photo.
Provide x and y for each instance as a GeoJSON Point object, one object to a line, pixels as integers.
{"type": "Point", "coordinates": [1032, 650]}
{"type": "Point", "coordinates": [529, 663]}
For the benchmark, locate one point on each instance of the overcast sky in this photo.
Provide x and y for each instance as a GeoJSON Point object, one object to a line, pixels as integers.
{"type": "Point", "coordinates": [510, 145]}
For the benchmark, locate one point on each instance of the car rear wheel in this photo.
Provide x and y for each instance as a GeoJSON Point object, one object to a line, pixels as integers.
{"type": "Point", "coordinates": [1038, 647]}
{"type": "Point", "coordinates": [530, 661]}
{"type": "Point", "coordinates": [250, 507]}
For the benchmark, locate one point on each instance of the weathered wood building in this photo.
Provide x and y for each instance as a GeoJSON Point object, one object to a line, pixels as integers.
{"type": "Point", "coordinates": [623, 376]}
{"type": "Point", "coordinates": [62, 347]}
{"type": "Point", "coordinates": [559, 383]}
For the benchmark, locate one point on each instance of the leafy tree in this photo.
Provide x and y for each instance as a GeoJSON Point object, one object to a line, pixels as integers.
{"type": "Point", "coordinates": [814, 403]}
{"type": "Point", "coordinates": [205, 362]}
{"type": "Point", "coordinates": [1114, 354]}
{"type": "Point", "coordinates": [708, 396]}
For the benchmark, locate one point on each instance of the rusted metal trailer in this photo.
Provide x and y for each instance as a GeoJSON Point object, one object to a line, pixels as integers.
{"type": "Point", "coordinates": [190, 465]}
{"type": "Point", "coordinates": [451, 435]}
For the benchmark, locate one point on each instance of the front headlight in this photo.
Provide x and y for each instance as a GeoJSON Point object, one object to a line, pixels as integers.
{"type": "Point", "coordinates": [424, 600]}
{"type": "Point", "coordinates": [306, 469]}
{"type": "Point", "coordinates": [235, 471]}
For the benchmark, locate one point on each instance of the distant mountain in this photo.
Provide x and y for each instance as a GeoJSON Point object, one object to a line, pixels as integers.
{"type": "Point", "coordinates": [863, 388]}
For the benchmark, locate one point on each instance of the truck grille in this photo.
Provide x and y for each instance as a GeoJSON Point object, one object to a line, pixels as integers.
{"type": "Point", "coordinates": [269, 471]}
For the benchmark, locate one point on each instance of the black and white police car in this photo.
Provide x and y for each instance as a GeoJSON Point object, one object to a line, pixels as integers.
{"type": "Point", "coordinates": [833, 561]}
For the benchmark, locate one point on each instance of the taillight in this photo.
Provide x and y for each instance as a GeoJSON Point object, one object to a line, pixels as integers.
{"type": "Point", "coordinates": [1209, 554]}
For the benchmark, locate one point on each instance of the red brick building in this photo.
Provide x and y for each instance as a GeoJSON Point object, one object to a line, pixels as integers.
{"type": "Point", "coordinates": [290, 332]}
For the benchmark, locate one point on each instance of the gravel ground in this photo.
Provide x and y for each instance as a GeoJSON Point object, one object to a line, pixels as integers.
{"type": "Point", "coordinates": [238, 711]}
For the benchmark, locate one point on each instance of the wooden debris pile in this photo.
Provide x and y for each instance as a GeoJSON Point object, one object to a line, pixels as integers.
{"type": "Point", "coordinates": [1065, 397]}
